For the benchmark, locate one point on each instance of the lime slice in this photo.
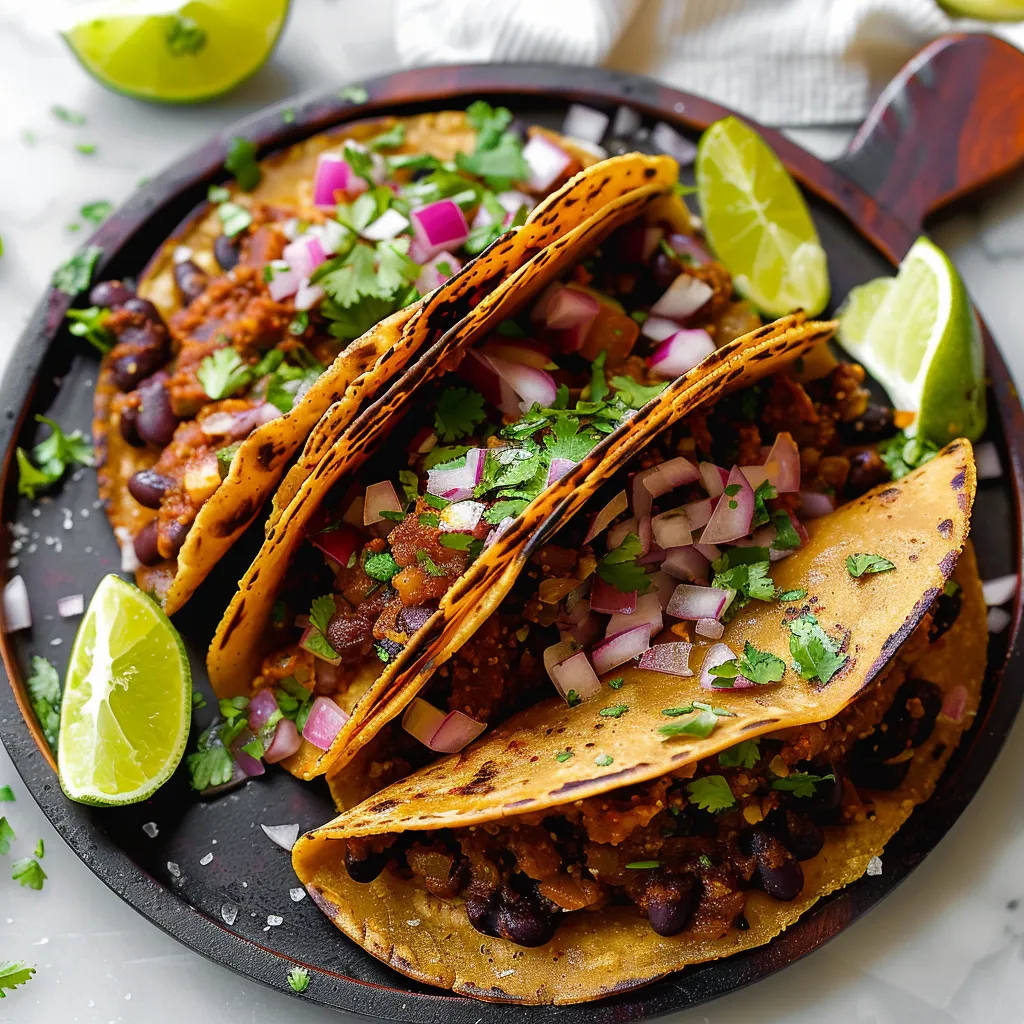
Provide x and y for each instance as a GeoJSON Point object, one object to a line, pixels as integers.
{"type": "Point", "coordinates": [990, 10]}
{"type": "Point", "coordinates": [127, 700]}
{"type": "Point", "coordinates": [917, 335]}
{"type": "Point", "coordinates": [175, 52]}
{"type": "Point", "coordinates": [758, 223]}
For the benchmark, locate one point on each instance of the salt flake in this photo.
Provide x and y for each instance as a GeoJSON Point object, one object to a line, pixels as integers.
{"type": "Point", "coordinates": [151, 829]}
{"type": "Point", "coordinates": [297, 894]}
{"type": "Point", "coordinates": [874, 866]}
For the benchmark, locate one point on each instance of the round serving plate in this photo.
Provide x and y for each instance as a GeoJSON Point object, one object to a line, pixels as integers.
{"type": "Point", "coordinates": [952, 121]}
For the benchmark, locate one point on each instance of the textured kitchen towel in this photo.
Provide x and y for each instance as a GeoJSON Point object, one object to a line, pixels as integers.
{"type": "Point", "coordinates": [780, 61]}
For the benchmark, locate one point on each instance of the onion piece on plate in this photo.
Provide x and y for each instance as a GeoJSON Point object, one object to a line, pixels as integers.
{"type": "Point", "coordinates": [70, 606]}
{"type": "Point", "coordinates": [1000, 589]}
{"type": "Point", "coordinates": [585, 123]}
{"type": "Point", "coordinates": [17, 613]}
{"type": "Point", "coordinates": [783, 464]}
{"type": "Point", "coordinates": [669, 141]}
{"type": "Point", "coordinates": [547, 162]}
{"type": "Point", "coordinates": [576, 674]}
{"type": "Point", "coordinates": [986, 457]}
{"type": "Point", "coordinates": [458, 484]}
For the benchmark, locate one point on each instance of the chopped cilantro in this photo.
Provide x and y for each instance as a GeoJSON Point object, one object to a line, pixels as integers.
{"type": "Point", "coordinates": [218, 194]}
{"type": "Point", "coordinates": [391, 139]}
{"type": "Point", "coordinates": [635, 395]}
{"type": "Point", "coordinates": [456, 412]}
{"type": "Point", "coordinates": [456, 541]}
{"type": "Point", "coordinates": [702, 724]}
{"type": "Point", "coordinates": [603, 760]}
{"type": "Point", "coordinates": [428, 564]}
{"type": "Point", "coordinates": [211, 763]}
{"type": "Point", "coordinates": [97, 212]}
{"type": "Point", "coordinates": [563, 755]}
{"type": "Point", "coordinates": [786, 537]}
{"type": "Point", "coordinates": [742, 755]}
{"type": "Point", "coordinates": [288, 116]}
{"type": "Point", "coordinates": [354, 94]}
{"type": "Point", "coordinates": [66, 115]}
{"type": "Point", "coordinates": [27, 872]}
{"type": "Point", "coordinates": [381, 566]}
{"type": "Point", "coordinates": [299, 324]}
{"type": "Point", "coordinates": [619, 568]}
{"type": "Point", "coordinates": [14, 973]}
{"type": "Point", "coordinates": [617, 683]}
{"type": "Point", "coordinates": [508, 508]}
{"type": "Point", "coordinates": [298, 979]}
{"type": "Point", "coordinates": [744, 570]}
{"type": "Point", "coordinates": [816, 654]}
{"type": "Point", "coordinates": [430, 519]}
{"type": "Point", "coordinates": [860, 564]}
{"type": "Point", "coordinates": [86, 148]}
{"type": "Point", "coordinates": [758, 666]}
{"type": "Point", "coordinates": [198, 700]}
{"type": "Point", "coordinates": [615, 711]}
{"type": "Point", "coordinates": [6, 795]}
{"type": "Point", "coordinates": [902, 454]}
{"type": "Point", "coordinates": [643, 865]}
{"type": "Point", "coordinates": [223, 373]}
{"type": "Point", "coordinates": [566, 442]}
{"type": "Point", "coordinates": [498, 155]}
{"type": "Point", "coordinates": [241, 162]}
{"type": "Point", "coordinates": [797, 594]}
{"type": "Point", "coordinates": [40, 850]}
{"type": "Point", "coordinates": [184, 36]}
{"type": "Point", "coordinates": [75, 275]}
{"type": "Point", "coordinates": [44, 691]}
{"type": "Point", "coordinates": [234, 218]}
{"type": "Point", "coordinates": [711, 793]}
{"type": "Point", "coordinates": [705, 862]}
{"type": "Point", "coordinates": [800, 783]}
{"type": "Point", "coordinates": [7, 837]}
{"type": "Point", "coordinates": [90, 324]}
{"type": "Point", "coordinates": [225, 456]}
{"type": "Point", "coordinates": [410, 484]}
{"type": "Point", "coordinates": [290, 383]}
{"type": "Point", "coordinates": [50, 458]}
{"type": "Point", "coordinates": [765, 492]}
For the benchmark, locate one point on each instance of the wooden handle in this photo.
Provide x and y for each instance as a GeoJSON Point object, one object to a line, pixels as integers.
{"type": "Point", "coordinates": [951, 121]}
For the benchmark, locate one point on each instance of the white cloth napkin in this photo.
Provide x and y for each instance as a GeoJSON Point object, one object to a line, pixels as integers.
{"type": "Point", "coordinates": [786, 62]}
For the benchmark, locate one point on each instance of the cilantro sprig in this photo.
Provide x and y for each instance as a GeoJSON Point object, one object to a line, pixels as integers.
{"type": "Point", "coordinates": [12, 974]}
{"type": "Point", "coordinates": [702, 721]}
{"type": "Point", "coordinates": [457, 412]}
{"type": "Point", "coordinates": [241, 162]}
{"type": "Point", "coordinates": [743, 755]}
{"type": "Point", "coordinates": [223, 373]}
{"type": "Point", "coordinates": [760, 667]}
{"type": "Point", "coordinates": [619, 568]}
{"type": "Point", "coordinates": [51, 458]}
{"type": "Point", "coordinates": [861, 564]}
{"type": "Point", "coordinates": [44, 691]}
{"type": "Point", "coordinates": [800, 784]}
{"type": "Point", "coordinates": [816, 655]}
{"type": "Point", "coordinates": [711, 793]}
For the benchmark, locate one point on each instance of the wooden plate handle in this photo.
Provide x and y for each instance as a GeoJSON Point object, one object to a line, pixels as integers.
{"type": "Point", "coordinates": [951, 121]}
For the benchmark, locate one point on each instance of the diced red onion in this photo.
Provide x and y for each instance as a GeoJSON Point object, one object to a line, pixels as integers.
{"type": "Point", "coordinates": [388, 225]}
{"type": "Point", "coordinates": [286, 742]}
{"type": "Point", "coordinates": [380, 497]}
{"type": "Point", "coordinates": [687, 245]}
{"type": "Point", "coordinates": [445, 733]}
{"type": "Point", "coordinates": [954, 704]}
{"type": "Point", "coordinates": [282, 835]}
{"type": "Point", "coordinates": [576, 673]}
{"type": "Point", "coordinates": [648, 611]}
{"type": "Point", "coordinates": [666, 139]}
{"type": "Point", "coordinates": [714, 477]}
{"type": "Point", "coordinates": [680, 353]}
{"type": "Point", "coordinates": [710, 628]}
{"type": "Point", "coordinates": [669, 659]}
{"type": "Point", "coordinates": [585, 123]}
{"type": "Point", "coordinates": [698, 512]}
{"type": "Point", "coordinates": [236, 425]}
{"type": "Point", "coordinates": [252, 767]}
{"type": "Point", "coordinates": [986, 458]}
{"type": "Point", "coordinates": [584, 632]}
{"type": "Point", "coordinates": [304, 644]}
{"type": "Point", "coordinates": [814, 505]}
{"type": "Point", "coordinates": [529, 383]}
{"type": "Point", "coordinates": [660, 480]}
{"type": "Point", "coordinates": [440, 225]}
{"type": "Point", "coordinates": [557, 653]}
{"type": "Point", "coordinates": [558, 469]}
{"type": "Point", "coordinates": [513, 202]}
{"type": "Point", "coordinates": [718, 654]}
{"type": "Point", "coordinates": [324, 723]}
{"type": "Point", "coordinates": [539, 312]}
{"type": "Point", "coordinates": [600, 522]}
{"type": "Point", "coordinates": [431, 274]}
{"type": "Point", "coordinates": [652, 238]}
{"type": "Point", "coordinates": [333, 174]}
{"type": "Point", "coordinates": [625, 646]}
{"type": "Point", "coordinates": [686, 563]}
{"type": "Point", "coordinates": [783, 464]}
{"type": "Point", "coordinates": [17, 613]}
{"type": "Point", "coordinates": [693, 603]}
{"type": "Point", "coordinates": [663, 585]}
{"type": "Point", "coordinates": [458, 484]}
{"type": "Point", "coordinates": [654, 556]}
{"type": "Point", "coordinates": [608, 600]}
{"type": "Point", "coordinates": [729, 523]}
{"type": "Point", "coordinates": [70, 606]}
{"type": "Point", "coordinates": [627, 121]}
{"type": "Point", "coordinates": [998, 619]}
{"type": "Point", "coordinates": [672, 529]}
{"type": "Point", "coordinates": [684, 296]}
{"type": "Point", "coordinates": [331, 234]}
{"type": "Point", "coordinates": [658, 328]}
{"type": "Point", "coordinates": [284, 279]}
{"type": "Point", "coordinates": [338, 544]}
{"type": "Point", "coordinates": [326, 677]}
{"type": "Point", "coordinates": [709, 551]}
{"type": "Point", "coordinates": [755, 475]}
{"type": "Point", "coordinates": [261, 707]}
{"type": "Point", "coordinates": [308, 295]}
{"type": "Point", "coordinates": [547, 162]}
{"type": "Point", "coordinates": [460, 516]}
{"type": "Point", "coordinates": [570, 307]}
{"type": "Point", "coordinates": [1000, 589]}
{"type": "Point", "coordinates": [303, 256]}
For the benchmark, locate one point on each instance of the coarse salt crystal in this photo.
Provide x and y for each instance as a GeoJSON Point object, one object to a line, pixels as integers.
{"type": "Point", "coordinates": [414, 923]}
{"type": "Point", "coordinates": [297, 894]}
{"type": "Point", "coordinates": [151, 830]}
{"type": "Point", "coordinates": [208, 859]}
{"type": "Point", "coordinates": [273, 920]}
{"type": "Point", "coordinates": [874, 866]}
{"type": "Point", "coordinates": [229, 913]}
{"type": "Point", "coordinates": [173, 869]}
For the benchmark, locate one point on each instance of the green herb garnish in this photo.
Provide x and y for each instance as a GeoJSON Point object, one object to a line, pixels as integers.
{"type": "Point", "coordinates": [862, 564]}
{"type": "Point", "coordinates": [816, 654]}
{"type": "Point", "coordinates": [711, 793]}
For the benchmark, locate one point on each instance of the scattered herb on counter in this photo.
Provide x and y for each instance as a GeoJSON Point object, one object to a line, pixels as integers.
{"type": "Point", "coordinates": [241, 162]}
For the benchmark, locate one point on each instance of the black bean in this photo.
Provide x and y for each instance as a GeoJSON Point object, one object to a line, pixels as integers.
{"type": "Point", "coordinates": [110, 294]}
{"type": "Point", "coordinates": [148, 352]}
{"type": "Point", "coordinates": [191, 280]}
{"type": "Point", "coordinates": [387, 649]}
{"type": "Point", "coordinates": [145, 544]}
{"type": "Point", "coordinates": [147, 487]}
{"type": "Point", "coordinates": [411, 619]}
{"type": "Point", "coordinates": [826, 806]}
{"type": "Point", "coordinates": [801, 836]}
{"type": "Point", "coordinates": [866, 471]}
{"type": "Point", "coordinates": [945, 612]}
{"type": "Point", "coordinates": [902, 728]}
{"type": "Point", "coordinates": [692, 821]}
{"type": "Point", "coordinates": [522, 920]}
{"type": "Point", "coordinates": [368, 868]}
{"type": "Point", "coordinates": [128, 422]}
{"type": "Point", "coordinates": [483, 915]}
{"type": "Point", "coordinates": [875, 424]}
{"type": "Point", "coordinates": [174, 536]}
{"type": "Point", "coordinates": [145, 308]}
{"type": "Point", "coordinates": [665, 269]}
{"type": "Point", "coordinates": [226, 252]}
{"type": "Point", "coordinates": [671, 903]}
{"type": "Point", "coordinates": [156, 420]}
{"type": "Point", "coordinates": [873, 774]}
{"type": "Point", "coordinates": [778, 872]}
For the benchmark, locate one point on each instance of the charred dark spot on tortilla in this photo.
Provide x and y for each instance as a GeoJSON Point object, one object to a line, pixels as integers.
{"type": "Point", "coordinates": [483, 993]}
{"type": "Point", "coordinates": [624, 774]}
{"type": "Point", "coordinates": [267, 454]}
{"type": "Point", "coordinates": [681, 756]}
{"type": "Point", "coordinates": [948, 563]}
{"type": "Point", "coordinates": [760, 723]}
{"type": "Point", "coordinates": [892, 645]}
{"type": "Point", "coordinates": [567, 201]}
{"type": "Point", "coordinates": [241, 518]}
{"type": "Point", "coordinates": [519, 803]}
{"type": "Point", "coordinates": [957, 483]}
{"type": "Point", "coordinates": [961, 500]}
{"type": "Point", "coordinates": [945, 528]}
{"type": "Point", "coordinates": [480, 784]}
{"type": "Point", "coordinates": [889, 492]}
{"type": "Point", "coordinates": [383, 806]}
{"type": "Point", "coordinates": [912, 558]}
{"type": "Point", "coordinates": [649, 172]}
{"type": "Point", "coordinates": [940, 749]}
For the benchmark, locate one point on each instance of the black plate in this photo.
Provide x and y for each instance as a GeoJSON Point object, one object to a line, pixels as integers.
{"type": "Point", "coordinates": [221, 909]}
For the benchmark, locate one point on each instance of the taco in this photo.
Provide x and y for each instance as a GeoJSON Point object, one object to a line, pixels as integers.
{"type": "Point", "coordinates": [272, 304]}
{"type": "Point", "coordinates": [577, 852]}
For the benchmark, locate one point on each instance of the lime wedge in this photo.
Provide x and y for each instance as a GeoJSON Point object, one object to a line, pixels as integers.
{"type": "Point", "coordinates": [175, 52]}
{"type": "Point", "coordinates": [127, 700]}
{"type": "Point", "coordinates": [917, 335]}
{"type": "Point", "coordinates": [758, 223]}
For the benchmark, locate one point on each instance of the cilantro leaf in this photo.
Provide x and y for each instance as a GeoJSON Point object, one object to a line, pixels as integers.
{"type": "Point", "coordinates": [355, 320]}
{"type": "Point", "coordinates": [298, 979]}
{"type": "Point", "coordinates": [225, 456]}
{"type": "Point", "coordinates": [75, 275]}
{"type": "Point", "coordinates": [598, 381]}
{"type": "Point", "coordinates": [43, 685]}
{"type": "Point", "coordinates": [765, 492]}
{"type": "Point", "coordinates": [860, 564]}
{"type": "Point", "coordinates": [505, 509]}
{"type": "Point", "coordinates": [636, 395]}
{"type": "Point", "coordinates": [90, 324]}
{"type": "Point", "coordinates": [711, 793]}
{"type": "Point", "coordinates": [354, 94]}
{"type": "Point", "coordinates": [743, 755]}
{"type": "Point", "coordinates": [241, 162]}
{"type": "Point", "coordinates": [322, 611]}
{"type": "Point", "coordinates": [381, 567]}
{"type": "Point", "coordinates": [749, 580]}
{"type": "Point", "coordinates": [429, 565]}
{"type": "Point", "coordinates": [30, 479]}
{"type": "Point", "coordinates": [702, 724]}
{"type": "Point", "coordinates": [786, 537]}
{"type": "Point", "coordinates": [563, 755]}
{"type": "Point", "coordinates": [615, 711]}
{"type": "Point", "coordinates": [793, 595]}
{"type": "Point", "coordinates": [800, 784]}
{"type": "Point", "coordinates": [211, 763]}
{"type": "Point", "coordinates": [234, 218]}
{"type": "Point", "coordinates": [498, 155]}
{"type": "Point", "coordinates": [456, 541]}
{"type": "Point", "coordinates": [360, 161]}
{"type": "Point", "coordinates": [7, 837]}
{"type": "Point", "coordinates": [816, 654]}
{"type": "Point", "coordinates": [456, 412]}
{"type": "Point", "coordinates": [619, 568]}
{"type": "Point", "coordinates": [566, 442]}
{"type": "Point", "coordinates": [504, 468]}
{"type": "Point", "coordinates": [395, 269]}
{"type": "Point", "coordinates": [902, 454]}
{"type": "Point", "coordinates": [14, 973]}
{"type": "Point", "coordinates": [289, 384]}
{"type": "Point", "coordinates": [27, 872]}
{"type": "Point", "coordinates": [603, 760]}
{"type": "Point", "coordinates": [391, 139]}
{"type": "Point", "coordinates": [758, 666]}
{"type": "Point", "coordinates": [223, 373]}
{"type": "Point", "coordinates": [6, 795]}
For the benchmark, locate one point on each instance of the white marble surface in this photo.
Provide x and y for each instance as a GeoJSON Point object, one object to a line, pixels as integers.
{"type": "Point", "coordinates": [947, 946]}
